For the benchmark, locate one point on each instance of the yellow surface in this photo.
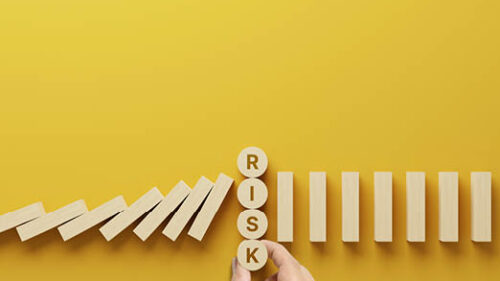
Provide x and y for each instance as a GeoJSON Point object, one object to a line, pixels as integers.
{"type": "Point", "coordinates": [100, 98]}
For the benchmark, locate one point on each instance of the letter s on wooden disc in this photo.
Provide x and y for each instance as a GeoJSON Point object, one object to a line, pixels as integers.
{"type": "Point", "coordinates": [252, 254]}
{"type": "Point", "coordinates": [252, 224]}
{"type": "Point", "coordinates": [252, 162]}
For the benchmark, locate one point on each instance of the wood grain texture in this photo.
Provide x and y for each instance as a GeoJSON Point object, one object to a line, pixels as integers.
{"type": "Point", "coordinates": [317, 206]}
{"type": "Point", "coordinates": [415, 206]}
{"type": "Point", "coordinates": [124, 219]}
{"type": "Point", "coordinates": [285, 207]}
{"type": "Point", "coordinates": [350, 206]}
{"type": "Point", "coordinates": [211, 206]}
{"type": "Point", "coordinates": [481, 206]}
{"type": "Point", "coordinates": [382, 206]}
{"type": "Point", "coordinates": [51, 220]}
{"type": "Point", "coordinates": [167, 205]}
{"type": "Point", "coordinates": [92, 218]}
{"type": "Point", "coordinates": [448, 206]}
{"type": "Point", "coordinates": [188, 208]}
{"type": "Point", "coordinates": [23, 215]}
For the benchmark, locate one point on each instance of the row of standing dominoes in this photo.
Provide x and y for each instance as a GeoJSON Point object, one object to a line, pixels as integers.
{"type": "Point", "coordinates": [415, 206]}
{"type": "Point", "coordinates": [73, 219]}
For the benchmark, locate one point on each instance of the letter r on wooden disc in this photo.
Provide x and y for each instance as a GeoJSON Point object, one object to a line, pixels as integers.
{"type": "Point", "coordinates": [252, 162]}
{"type": "Point", "coordinates": [252, 224]}
{"type": "Point", "coordinates": [252, 193]}
{"type": "Point", "coordinates": [252, 254]}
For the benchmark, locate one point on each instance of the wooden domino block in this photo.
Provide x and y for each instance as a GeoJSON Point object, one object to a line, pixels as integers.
{"type": "Point", "coordinates": [252, 224]}
{"type": "Point", "coordinates": [383, 206]}
{"type": "Point", "coordinates": [285, 206]}
{"type": "Point", "coordinates": [252, 162]}
{"type": "Point", "coordinates": [415, 206]}
{"type": "Point", "coordinates": [350, 206]}
{"type": "Point", "coordinates": [481, 206]}
{"type": "Point", "coordinates": [153, 220]}
{"type": "Point", "coordinates": [124, 219]}
{"type": "Point", "coordinates": [252, 254]}
{"type": "Point", "coordinates": [317, 206]}
{"type": "Point", "coordinates": [448, 206]}
{"type": "Point", "coordinates": [21, 216]}
{"type": "Point", "coordinates": [92, 218]}
{"type": "Point", "coordinates": [211, 206]}
{"type": "Point", "coordinates": [188, 208]}
{"type": "Point", "coordinates": [51, 220]}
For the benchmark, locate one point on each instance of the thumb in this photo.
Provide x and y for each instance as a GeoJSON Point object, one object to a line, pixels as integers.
{"type": "Point", "coordinates": [239, 273]}
{"type": "Point", "coordinates": [279, 254]}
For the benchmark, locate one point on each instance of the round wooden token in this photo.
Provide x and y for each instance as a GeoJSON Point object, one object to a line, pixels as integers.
{"type": "Point", "coordinates": [252, 224]}
{"type": "Point", "coordinates": [252, 193]}
{"type": "Point", "coordinates": [252, 162]}
{"type": "Point", "coordinates": [252, 254]}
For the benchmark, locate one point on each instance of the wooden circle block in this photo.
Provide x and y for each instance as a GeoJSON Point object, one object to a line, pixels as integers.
{"type": "Point", "coordinates": [252, 254]}
{"type": "Point", "coordinates": [252, 224]}
{"type": "Point", "coordinates": [252, 193]}
{"type": "Point", "coordinates": [252, 162]}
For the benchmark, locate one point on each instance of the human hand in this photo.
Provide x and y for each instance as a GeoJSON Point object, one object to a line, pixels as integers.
{"type": "Point", "coordinates": [289, 269]}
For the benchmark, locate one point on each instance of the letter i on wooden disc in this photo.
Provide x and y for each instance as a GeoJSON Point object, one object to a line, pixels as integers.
{"type": "Point", "coordinates": [252, 254]}
{"type": "Point", "coordinates": [252, 193]}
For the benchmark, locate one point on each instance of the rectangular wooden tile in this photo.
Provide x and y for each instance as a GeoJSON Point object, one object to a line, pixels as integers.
{"type": "Point", "coordinates": [15, 218]}
{"type": "Point", "coordinates": [317, 206]}
{"type": "Point", "coordinates": [448, 206]}
{"type": "Point", "coordinates": [481, 206]}
{"type": "Point", "coordinates": [415, 206]}
{"type": "Point", "coordinates": [211, 206]}
{"type": "Point", "coordinates": [383, 206]}
{"type": "Point", "coordinates": [153, 220]}
{"type": "Point", "coordinates": [350, 206]}
{"type": "Point", "coordinates": [124, 219]}
{"type": "Point", "coordinates": [285, 207]}
{"type": "Point", "coordinates": [188, 208]}
{"type": "Point", "coordinates": [92, 218]}
{"type": "Point", "coordinates": [51, 220]}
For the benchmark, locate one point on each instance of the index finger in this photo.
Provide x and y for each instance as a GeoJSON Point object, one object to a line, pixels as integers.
{"type": "Point", "coordinates": [279, 254]}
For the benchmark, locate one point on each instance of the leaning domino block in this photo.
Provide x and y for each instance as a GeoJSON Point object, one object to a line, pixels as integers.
{"type": "Point", "coordinates": [211, 206]}
{"type": "Point", "coordinates": [23, 215]}
{"type": "Point", "coordinates": [135, 211]}
{"type": "Point", "coordinates": [51, 220]}
{"type": "Point", "coordinates": [92, 218]}
{"type": "Point", "coordinates": [173, 199]}
{"type": "Point", "coordinates": [188, 208]}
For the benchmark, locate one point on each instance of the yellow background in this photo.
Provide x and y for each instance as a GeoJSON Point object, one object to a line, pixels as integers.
{"type": "Point", "coordinates": [101, 98]}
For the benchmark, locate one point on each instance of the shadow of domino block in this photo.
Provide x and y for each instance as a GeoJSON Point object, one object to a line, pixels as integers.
{"type": "Point", "coordinates": [15, 218]}
{"type": "Point", "coordinates": [124, 219]}
{"type": "Point", "coordinates": [51, 220]}
{"type": "Point", "coordinates": [153, 220]}
{"type": "Point", "coordinates": [92, 218]}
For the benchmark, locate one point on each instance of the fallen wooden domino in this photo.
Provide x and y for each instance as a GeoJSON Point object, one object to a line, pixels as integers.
{"type": "Point", "coordinates": [415, 206]}
{"type": "Point", "coordinates": [15, 218]}
{"type": "Point", "coordinates": [481, 206]}
{"type": "Point", "coordinates": [188, 208]}
{"type": "Point", "coordinates": [92, 218]}
{"type": "Point", "coordinates": [383, 206]}
{"type": "Point", "coordinates": [153, 220]}
{"type": "Point", "coordinates": [131, 214]}
{"type": "Point", "coordinates": [285, 207]}
{"type": "Point", "coordinates": [448, 206]}
{"type": "Point", "coordinates": [350, 206]}
{"type": "Point", "coordinates": [51, 220]}
{"type": "Point", "coordinates": [317, 206]}
{"type": "Point", "coordinates": [211, 206]}
{"type": "Point", "coordinates": [252, 254]}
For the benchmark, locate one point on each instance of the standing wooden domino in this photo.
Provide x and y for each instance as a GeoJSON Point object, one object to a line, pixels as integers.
{"type": "Point", "coordinates": [21, 216]}
{"type": "Point", "coordinates": [481, 206]}
{"type": "Point", "coordinates": [124, 219]}
{"type": "Point", "coordinates": [285, 207]}
{"type": "Point", "coordinates": [448, 206]}
{"type": "Point", "coordinates": [188, 208]}
{"type": "Point", "coordinates": [92, 218]}
{"type": "Point", "coordinates": [153, 220]}
{"type": "Point", "coordinates": [350, 206]}
{"type": "Point", "coordinates": [51, 220]}
{"type": "Point", "coordinates": [383, 206]}
{"type": "Point", "coordinates": [211, 206]}
{"type": "Point", "coordinates": [415, 206]}
{"type": "Point", "coordinates": [317, 206]}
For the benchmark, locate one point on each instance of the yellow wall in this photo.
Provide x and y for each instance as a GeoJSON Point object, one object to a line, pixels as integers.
{"type": "Point", "coordinates": [100, 98]}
